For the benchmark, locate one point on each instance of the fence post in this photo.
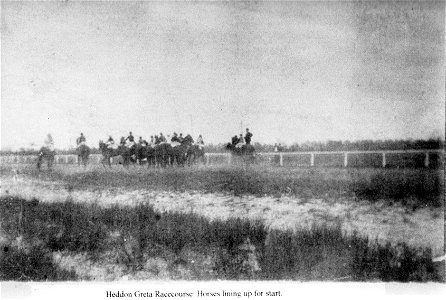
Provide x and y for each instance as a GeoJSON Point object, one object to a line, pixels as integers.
{"type": "Point", "coordinates": [426, 160]}
{"type": "Point", "coordinates": [345, 159]}
{"type": "Point", "coordinates": [312, 159]}
{"type": "Point", "coordinates": [207, 160]}
{"type": "Point", "coordinates": [384, 159]}
{"type": "Point", "coordinates": [281, 159]}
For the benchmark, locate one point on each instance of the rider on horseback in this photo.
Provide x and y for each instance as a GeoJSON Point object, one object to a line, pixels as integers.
{"type": "Point", "coordinates": [162, 138]}
{"type": "Point", "coordinates": [240, 142]}
{"type": "Point", "coordinates": [234, 140]}
{"type": "Point", "coordinates": [130, 139]}
{"type": "Point", "coordinates": [248, 136]}
{"type": "Point", "coordinates": [111, 143]}
{"type": "Point", "coordinates": [175, 138]}
{"type": "Point", "coordinates": [81, 140]}
{"type": "Point", "coordinates": [200, 142]}
{"type": "Point", "coordinates": [49, 143]}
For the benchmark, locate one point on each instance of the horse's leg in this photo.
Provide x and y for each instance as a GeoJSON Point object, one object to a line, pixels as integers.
{"type": "Point", "coordinates": [39, 162]}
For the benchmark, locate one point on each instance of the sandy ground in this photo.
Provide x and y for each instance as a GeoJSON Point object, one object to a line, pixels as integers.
{"type": "Point", "coordinates": [424, 227]}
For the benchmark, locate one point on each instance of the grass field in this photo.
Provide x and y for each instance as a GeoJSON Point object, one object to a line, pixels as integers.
{"type": "Point", "coordinates": [416, 187]}
{"type": "Point", "coordinates": [127, 231]}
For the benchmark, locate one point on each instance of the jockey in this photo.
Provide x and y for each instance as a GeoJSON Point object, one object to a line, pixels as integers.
{"type": "Point", "coordinates": [81, 140]}
{"type": "Point", "coordinates": [157, 140]}
{"type": "Point", "coordinates": [122, 142]}
{"type": "Point", "coordinates": [49, 143]}
{"type": "Point", "coordinates": [142, 142]}
{"type": "Point", "coordinates": [152, 141]}
{"type": "Point", "coordinates": [234, 140]}
{"type": "Point", "coordinates": [175, 138]}
{"type": "Point", "coordinates": [248, 136]}
{"type": "Point", "coordinates": [240, 142]}
{"type": "Point", "coordinates": [162, 139]}
{"type": "Point", "coordinates": [111, 143]}
{"type": "Point", "coordinates": [200, 142]}
{"type": "Point", "coordinates": [131, 140]}
{"type": "Point", "coordinates": [181, 138]}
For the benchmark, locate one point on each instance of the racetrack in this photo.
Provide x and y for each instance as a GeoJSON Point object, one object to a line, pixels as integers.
{"type": "Point", "coordinates": [282, 198]}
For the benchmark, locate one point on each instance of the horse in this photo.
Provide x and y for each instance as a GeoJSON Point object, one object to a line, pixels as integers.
{"type": "Point", "coordinates": [147, 153]}
{"type": "Point", "coordinates": [83, 152]}
{"type": "Point", "coordinates": [178, 153]}
{"type": "Point", "coordinates": [48, 154]}
{"type": "Point", "coordinates": [108, 153]}
{"type": "Point", "coordinates": [246, 152]}
{"type": "Point", "coordinates": [163, 153]}
{"type": "Point", "coordinates": [195, 152]}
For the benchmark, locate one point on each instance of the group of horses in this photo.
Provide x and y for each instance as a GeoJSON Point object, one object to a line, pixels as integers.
{"type": "Point", "coordinates": [159, 155]}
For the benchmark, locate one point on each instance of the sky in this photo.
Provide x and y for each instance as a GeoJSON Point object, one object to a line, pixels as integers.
{"type": "Point", "coordinates": [290, 71]}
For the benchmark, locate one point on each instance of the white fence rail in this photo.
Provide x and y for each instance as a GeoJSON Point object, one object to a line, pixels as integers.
{"type": "Point", "coordinates": [343, 158]}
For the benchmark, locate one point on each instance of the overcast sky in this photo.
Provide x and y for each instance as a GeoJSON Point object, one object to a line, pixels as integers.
{"type": "Point", "coordinates": [291, 72]}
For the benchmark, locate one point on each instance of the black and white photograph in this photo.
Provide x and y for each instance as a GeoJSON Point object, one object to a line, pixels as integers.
{"type": "Point", "coordinates": [221, 146]}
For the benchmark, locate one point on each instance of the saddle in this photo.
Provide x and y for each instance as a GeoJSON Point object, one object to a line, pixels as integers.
{"type": "Point", "coordinates": [174, 144]}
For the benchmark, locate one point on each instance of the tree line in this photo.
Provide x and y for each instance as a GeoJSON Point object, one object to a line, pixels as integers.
{"type": "Point", "coordinates": [360, 145]}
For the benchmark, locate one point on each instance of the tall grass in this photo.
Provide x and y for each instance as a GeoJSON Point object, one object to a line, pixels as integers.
{"type": "Point", "coordinates": [140, 232]}
{"type": "Point", "coordinates": [34, 264]}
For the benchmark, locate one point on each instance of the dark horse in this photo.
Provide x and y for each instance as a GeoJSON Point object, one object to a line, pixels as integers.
{"type": "Point", "coordinates": [195, 153]}
{"type": "Point", "coordinates": [179, 153]}
{"type": "Point", "coordinates": [48, 154]}
{"type": "Point", "coordinates": [147, 153]}
{"type": "Point", "coordinates": [246, 152]}
{"type": "Point", "coordinates": [83, 152]}
{"type": "Point", "coordinates": [108, 153]}
{"type": "Point", "coordinates": [163, 153]}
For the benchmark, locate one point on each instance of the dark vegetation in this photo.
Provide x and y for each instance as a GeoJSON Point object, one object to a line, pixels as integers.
{"type": "Point", "coordinates": [359, 145]}
{"type": "Point", "coordinates": [140, 232]}
{"type": "Point", "coordinates": [33, 264]}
